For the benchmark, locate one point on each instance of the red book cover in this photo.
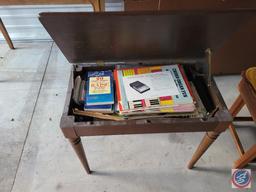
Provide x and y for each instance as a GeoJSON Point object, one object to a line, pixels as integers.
{"type": "Point", "coordinates": [117, 90]}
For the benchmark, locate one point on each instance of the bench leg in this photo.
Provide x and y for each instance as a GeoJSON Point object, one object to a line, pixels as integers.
{"type": "Point", "coordinates": [5, 34]}
{"type": "Point", "coordinates": [79, 149]}
{"type": "Point", "coordinates": [207, 140]}
{"type": "Point", "coordinates": [246, 158]}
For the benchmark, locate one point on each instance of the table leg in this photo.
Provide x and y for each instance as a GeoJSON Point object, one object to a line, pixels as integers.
{"type": "Point", "coordinates": [207, 140]}
{"type": "Point", "coordinates": [5, 34]}
{"type": "Point", "coordinates": [79, 149]}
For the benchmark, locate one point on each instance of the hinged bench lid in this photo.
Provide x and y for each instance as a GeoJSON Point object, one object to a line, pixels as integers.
{"type": "Point", "coordinates": [129, 36]}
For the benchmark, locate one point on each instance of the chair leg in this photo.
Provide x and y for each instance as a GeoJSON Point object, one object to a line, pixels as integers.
{"type": "Point", "coordinates": [234, 110]}
{"type": "Point", "coordinates": [5, 34]}
{"type": "Point", "coordinates": [236, 139]}
{"type": "Point", "coordinates": [102, 5]}
{"type": "Point", "coordinates": [237, 106]}
{"type": "Point", "coordinates": [247, 157]}
{"type": "Point", "coordinates": [79, 149]}
{"type": "Point", "coordinates": [206, 142]}
{"type": "Point", "coordinates": [98, 5]}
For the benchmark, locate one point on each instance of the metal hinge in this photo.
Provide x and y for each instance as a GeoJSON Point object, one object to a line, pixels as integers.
{"type": "Point", "coordinates": [100, 63]}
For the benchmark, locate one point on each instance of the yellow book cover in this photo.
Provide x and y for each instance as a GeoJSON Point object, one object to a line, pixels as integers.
{"type": "Point", "coordinates": [99, 85]}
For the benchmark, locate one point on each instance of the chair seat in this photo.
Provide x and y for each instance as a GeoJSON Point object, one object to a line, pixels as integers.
{"type": "Point", "coordinates": [248, 93]}
{"type": "Point", "coordinates": [251, 76]}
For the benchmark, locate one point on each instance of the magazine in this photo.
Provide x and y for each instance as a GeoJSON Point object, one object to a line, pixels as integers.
{"type": "Point", "coordinates": [149, 85]}
{"type": "Point", "coordinates": [133, 90]}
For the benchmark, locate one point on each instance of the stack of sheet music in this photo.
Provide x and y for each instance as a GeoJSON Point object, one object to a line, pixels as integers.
{"type": "Point", "coordinates": [153, 89]}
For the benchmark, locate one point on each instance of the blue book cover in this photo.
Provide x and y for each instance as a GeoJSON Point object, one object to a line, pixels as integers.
{"type": "Point", "coordinates": [99, 89]}
{"type": "Point", "coordinates": [99, 108]}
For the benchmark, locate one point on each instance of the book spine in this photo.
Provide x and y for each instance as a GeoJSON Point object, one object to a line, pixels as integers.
{"type": "Point", "coordinates": [87, 92]}
{"type": "Point", "coordinates": [186, 80]}
{"type": "Point", "coordinates": [82, 92]}
{"type": "Point", "coordinates": [124, 101]}
{"type": "Point", "coordinates": [119, 99]}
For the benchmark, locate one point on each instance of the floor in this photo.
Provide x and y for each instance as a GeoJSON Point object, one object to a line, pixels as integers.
{"type": "Point", "coordinates": [22, 21]}
{"type": "Point", "coordinates": [35, 157]}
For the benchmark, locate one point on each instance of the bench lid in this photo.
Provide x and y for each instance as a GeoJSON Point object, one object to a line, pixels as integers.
{"type": "Point", "coordinates": [151, 35]}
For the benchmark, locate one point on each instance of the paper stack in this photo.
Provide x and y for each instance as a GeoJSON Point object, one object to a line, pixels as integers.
{"type": "Point", "coordinates": [154, 89]}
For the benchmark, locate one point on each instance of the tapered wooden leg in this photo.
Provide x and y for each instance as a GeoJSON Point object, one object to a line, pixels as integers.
{"type": "Point", "coordinates": [237, 106]}
{"type": "Point", "coordinates": [234, 110]}
{"type": "Point", "coordinates": [98, 5]}
{"type": "Point", "coordinates": [5, 34]}
{"type": "Point", "coordinates": [79, 149]}
{"type": "Point", "coordinates": [246, 158]}
{"type": "Point", "coordinates": [236, 139]}
{"type": "Point", "coordinates": [102, 5]}
{"type": "Point", "coordinates": [207, 140]}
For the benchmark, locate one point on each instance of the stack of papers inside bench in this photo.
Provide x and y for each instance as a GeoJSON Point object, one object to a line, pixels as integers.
{"type": "Point", "coordinates": [153, 89]}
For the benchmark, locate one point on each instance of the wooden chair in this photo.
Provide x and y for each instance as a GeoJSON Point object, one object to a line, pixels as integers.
{"type": "Point", "coordinates": [247, 96]}
{"type": "Point", "coordinates": [98, 5]}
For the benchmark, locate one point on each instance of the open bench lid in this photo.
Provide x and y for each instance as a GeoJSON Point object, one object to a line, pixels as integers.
{"type": "Point", "coordinates": [133, 36]}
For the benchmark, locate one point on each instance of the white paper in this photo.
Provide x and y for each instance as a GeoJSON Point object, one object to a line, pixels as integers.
{"type": "Point", "coordinates": [160, 84]}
